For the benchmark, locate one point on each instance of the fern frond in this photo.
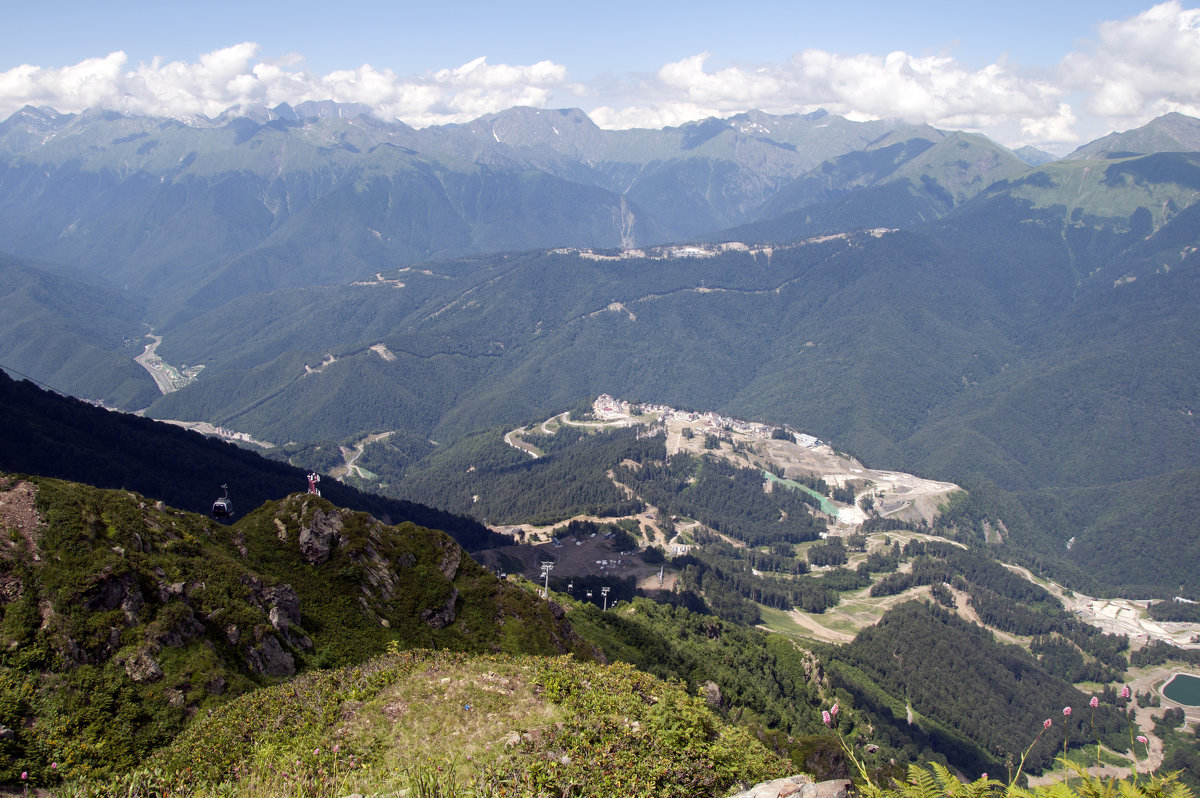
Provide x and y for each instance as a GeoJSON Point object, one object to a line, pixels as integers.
{"type": "Point", "coordinates": [921, 784]}
{"type": "Point", "coordinates": [949, 784]}
{"type": "Point", "coordinates": [1058, 789]}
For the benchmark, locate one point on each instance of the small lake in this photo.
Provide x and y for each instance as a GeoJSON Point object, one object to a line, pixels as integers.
{"type": "Point", "coordinates": [1183, 689]}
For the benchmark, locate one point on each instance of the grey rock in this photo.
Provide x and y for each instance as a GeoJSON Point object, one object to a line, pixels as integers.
{"type": "Point", "coordinates": [112, 592]}
{"type": "Point", "coordinates": [450, 561]}
{"type": "Point", "coordinates": [269, 659]}
{"type": "Point", "coordinates": [835, 788]}
{"type": "Point", "coordinates": [184, 630]}
{"type": "Point", "coordinates": [797, 786]}
{"type": "Point", "coordinates": [141, 667]}
{"type": "Point", "coordinates": [317, 539]}
{"type": "Point", "coordinates": [441, 617]}
{"type": "Point", "coordinates": [712, 693]}
{"type": "Point", "coordinates": [284, 607]}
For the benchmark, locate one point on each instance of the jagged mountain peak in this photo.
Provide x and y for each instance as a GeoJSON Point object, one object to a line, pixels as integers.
{"type": "Point", "coordinates": [306, 111]}
{"type": "Point", "coordinates": [28, 127]}
{"type": "Point", "coordinates": [1033, 156]}
{"type": "Point", "coordinates": [41, 114]}
{"type": "Point", "coordinates": [524, 126]}
{"type": "Point", "coordinates": [1173, 132]}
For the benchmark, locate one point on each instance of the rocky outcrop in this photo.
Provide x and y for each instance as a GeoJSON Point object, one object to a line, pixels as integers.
{"type": "Point", "coordinates": [712, 693]}
{"type": "Point", "coordinates": [269, 659]}
{"type": "Point", "coordinates": [284, 615]}
{"type": "Point", "coordinates": [443, 616]}
{"type": "Point", "coordinates": [451, 559]}
{"type": "Point", "coordinates": [182, 627]}
{"type": "Point", "coordinates": [110, 592]}
{"type": "Point", "coordinates": [798, 786]}
{"type": "Point", "coordinates": [318, 537]}
{"type": "Point", "coordinates": [282, 608]}
{"type": "Point", "coordinates": [142, 667]}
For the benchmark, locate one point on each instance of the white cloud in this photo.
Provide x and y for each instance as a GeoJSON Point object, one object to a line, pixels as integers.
{"type": "Point", "coordinates": [92, 82]}
{"type": "Point", "coordinates": [935, 90]}
{"type": "Point", "coordinates": [1048, 130]}
{"type": "Point", "coordinates": [234, 76]}
{"type": "Point", "coordinates": [1141, 67]}
{"type": "Point", "coordinates": [1131, 71]}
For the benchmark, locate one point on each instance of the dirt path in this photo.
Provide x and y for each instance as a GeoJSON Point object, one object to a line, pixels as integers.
{"type": "Point", "coordinates": [351, 455]}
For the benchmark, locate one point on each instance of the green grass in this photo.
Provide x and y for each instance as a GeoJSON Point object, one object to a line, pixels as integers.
{"type": "Point", "coordinates": [781, 622]}
{"type": "Point", "coordinates": [462, 725]}
{"type": "Point", "coordinates": [1086, 757]}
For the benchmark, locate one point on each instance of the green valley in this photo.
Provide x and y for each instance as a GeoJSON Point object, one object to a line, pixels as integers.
{"type": "Point", "coordinates": [652, 462]}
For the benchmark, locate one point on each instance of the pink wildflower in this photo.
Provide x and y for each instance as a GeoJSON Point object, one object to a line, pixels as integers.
{"type": "Point", "coordinates": [825, 716]}
{"type": "Point", "coordinates": [1066, 712]}
{"type": "Point", "coordinates": [24, 775]}
{"type": "Point", "coordinates": [834, 710]}
{"type": "Point", "coordinates": [1141, 739]}
{"type": "Point", "coordinates": [54, 766]}
{"type": "Point", "coordinates": [1095, 702]}
{"type": "Point", "coordinates": [335, 748]}
{"type": "Point", "coordinates": [984, 777]}
{"type": "Point", "coordinates": [1125, 691]}
{"type": "Point", "coordinates": [316, 752]}
{"type": "Point", "coordinates": [1046, 723]}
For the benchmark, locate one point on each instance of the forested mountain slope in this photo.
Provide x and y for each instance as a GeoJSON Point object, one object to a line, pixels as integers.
{"type": "Point", "coordinates": [73, 334]}
{"type": "Point", "coordinates": [57, 436]}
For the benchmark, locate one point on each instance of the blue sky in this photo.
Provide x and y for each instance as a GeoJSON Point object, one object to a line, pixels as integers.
{"type": "Point", "coordinates": [1050, 74]}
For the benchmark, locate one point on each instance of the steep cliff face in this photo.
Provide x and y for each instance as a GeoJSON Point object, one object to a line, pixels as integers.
{"type": "Point", "coordinates": [123, 615]}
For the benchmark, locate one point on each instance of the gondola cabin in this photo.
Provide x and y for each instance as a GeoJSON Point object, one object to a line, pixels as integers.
{"type": "Point", "coordinates": [223, 507]}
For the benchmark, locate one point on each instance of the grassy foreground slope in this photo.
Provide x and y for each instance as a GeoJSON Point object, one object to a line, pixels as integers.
{"type": "Point", "coordinates": [494, 725]}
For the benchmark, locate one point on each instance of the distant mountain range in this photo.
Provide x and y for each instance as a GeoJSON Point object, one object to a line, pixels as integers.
{"type": "Point", "coordinates": [193, 214]}
{"type": "Point", "coordinates": [925, 299]}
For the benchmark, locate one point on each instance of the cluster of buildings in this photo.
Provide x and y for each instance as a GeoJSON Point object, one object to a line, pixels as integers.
{"type": "Point", "coordinates": [664, 253]}
{"type": "Point", "coordinates": [609, 409]}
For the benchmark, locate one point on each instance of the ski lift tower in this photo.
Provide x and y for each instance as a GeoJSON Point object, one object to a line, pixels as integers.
{"type": "Point", "coordinates": [604, 592]}
{"type": "Point", "coordinates": [547, 567]}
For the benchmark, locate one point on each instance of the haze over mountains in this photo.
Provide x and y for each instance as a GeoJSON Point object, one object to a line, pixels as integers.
{"type": "Point", "coordinates": [925, 299]}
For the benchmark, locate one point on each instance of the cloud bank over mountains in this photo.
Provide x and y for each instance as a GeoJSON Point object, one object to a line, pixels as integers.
{"type": "Point", "coordinates": [1131, 71]}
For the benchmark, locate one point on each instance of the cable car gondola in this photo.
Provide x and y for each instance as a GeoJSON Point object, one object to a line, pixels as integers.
{"type": "Point", "coordinates": [223, 507]}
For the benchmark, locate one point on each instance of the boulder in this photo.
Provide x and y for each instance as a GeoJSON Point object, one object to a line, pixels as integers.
{"type": "Point", "coordinates": [798, 786]}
